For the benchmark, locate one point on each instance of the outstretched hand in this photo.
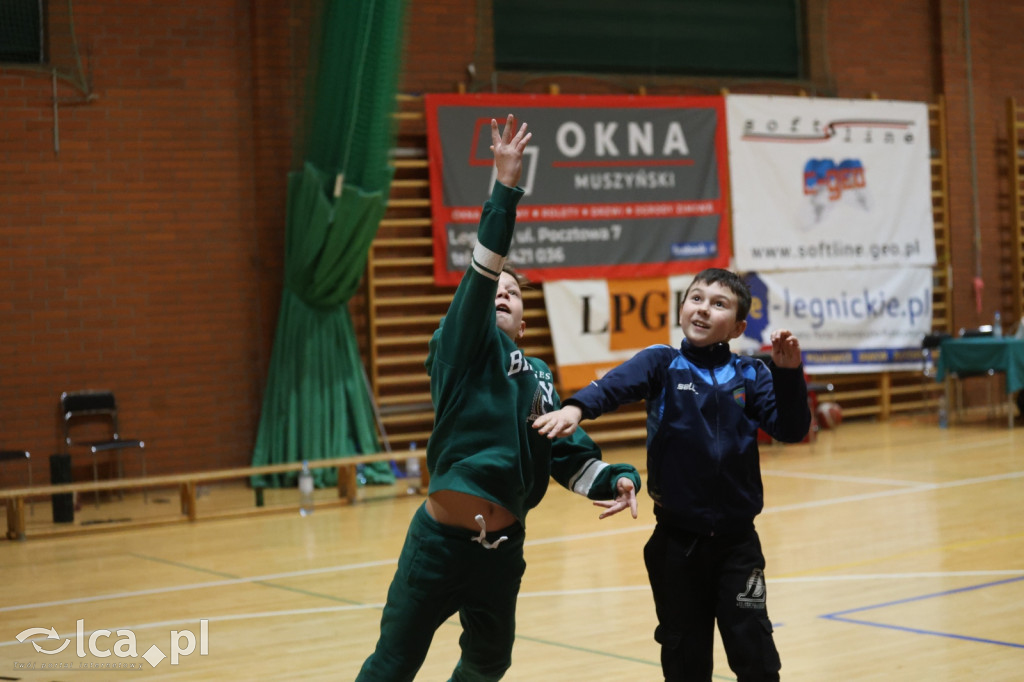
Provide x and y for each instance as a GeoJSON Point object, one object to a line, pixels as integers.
{"type": "Point", "coordinates": [626, 498]}
{"type": "Point", "coordinates": [562, 422]}
{"type": "Point", "coordinates": [785, 349]}
{"type": "Point", "coordinates": [508, 146]}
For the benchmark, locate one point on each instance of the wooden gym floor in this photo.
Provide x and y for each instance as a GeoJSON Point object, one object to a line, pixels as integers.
{"type": "Point", "coordinates": [895, 552]}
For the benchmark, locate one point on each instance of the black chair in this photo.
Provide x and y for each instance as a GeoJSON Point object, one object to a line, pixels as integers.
{"type": "Point", "coordinates": [16, 456]}
{"type": "Point", "coordinates": [929, 344]}
{"type": "Point", "coordinates": [82, 408]}
{"type": "Point", "coordinates": [958, 377]}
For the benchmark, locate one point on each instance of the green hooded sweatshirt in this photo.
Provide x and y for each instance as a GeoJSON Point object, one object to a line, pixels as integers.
{"type": "Point", "coordinates": [486, 394]}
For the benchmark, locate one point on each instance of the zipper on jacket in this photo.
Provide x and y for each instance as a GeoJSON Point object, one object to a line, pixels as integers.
{"type": "Point", "coordinates": [717, 447]}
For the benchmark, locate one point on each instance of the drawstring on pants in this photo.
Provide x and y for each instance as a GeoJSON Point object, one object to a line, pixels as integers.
{"type": "Point", "coordinates": [689, 550]}
{"type": "Point", "coordinates": [482, 538]}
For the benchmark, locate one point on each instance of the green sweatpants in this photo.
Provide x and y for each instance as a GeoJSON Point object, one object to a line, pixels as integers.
{"type": "Point", "coordinates": [441, 571]}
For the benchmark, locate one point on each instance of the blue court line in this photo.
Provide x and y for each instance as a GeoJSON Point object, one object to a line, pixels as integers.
{"type": "Point", "coordinates": [840, 615]}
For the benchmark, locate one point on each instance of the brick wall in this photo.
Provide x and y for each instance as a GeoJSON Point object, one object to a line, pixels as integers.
{"type": "Point", "coordinates": [996, 73]}
{"type": "Point", "coordinates": [146, 255]}
{"type": "Point", "coordinates": [141, 256]}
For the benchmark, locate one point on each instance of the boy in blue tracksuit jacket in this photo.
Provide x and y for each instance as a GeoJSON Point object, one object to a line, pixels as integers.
{"type": "Point", "coordinates": [704, 407]}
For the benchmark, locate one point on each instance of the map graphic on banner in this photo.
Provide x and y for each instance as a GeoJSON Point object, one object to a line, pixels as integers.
{"type": "Point", "coordinates": [616, 187]}
{"type": "Point", "coordinates": [865, 321]}
{"type": "Point", "coordinates": [829, 183]}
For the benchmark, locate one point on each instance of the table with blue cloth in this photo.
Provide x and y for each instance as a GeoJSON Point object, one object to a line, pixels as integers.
{"type": "Point", "coordinates": [971, 355]}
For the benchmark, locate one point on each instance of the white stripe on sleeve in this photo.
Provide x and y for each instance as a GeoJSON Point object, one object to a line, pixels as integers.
{"type": "Point", "coordinates": [488, 263]}
{"type": "Point", "coordinates": [583, 480]}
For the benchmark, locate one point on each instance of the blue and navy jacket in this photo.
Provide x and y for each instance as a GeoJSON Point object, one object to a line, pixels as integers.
{"type": "Point", "coordinates": [704, 407]}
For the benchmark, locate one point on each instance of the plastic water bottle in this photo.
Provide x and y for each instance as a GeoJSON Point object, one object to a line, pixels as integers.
{"type": "Point", "coordinates": [997, 325]}
{"type": "Point", "coordinates": [305, 490]}
{"type": "Point", "coordinates": [412, 464]}
{"type": "Point", "coordinates": [412, 468]}
{"type": "Point", "coordinates": [943, 412]}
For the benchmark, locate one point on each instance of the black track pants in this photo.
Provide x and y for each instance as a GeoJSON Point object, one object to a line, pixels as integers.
{"type": "Point", "coordinates": [697, 580]}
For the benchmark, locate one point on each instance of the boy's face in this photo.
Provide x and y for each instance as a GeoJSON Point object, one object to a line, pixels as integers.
{"type": "Point", "coordinates": [508, 304]}
{"type": "Point", "coordinates": [708, 314]}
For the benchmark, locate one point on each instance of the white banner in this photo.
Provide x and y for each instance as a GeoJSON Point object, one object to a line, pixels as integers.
{"type": "Point", "coordinates": [865, 321]}
{"type": "Point", "coordinates": [829, 183]}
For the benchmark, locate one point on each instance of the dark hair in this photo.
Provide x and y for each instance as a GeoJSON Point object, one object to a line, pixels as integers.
{"type": "Point", "coordinates": [731, 281]}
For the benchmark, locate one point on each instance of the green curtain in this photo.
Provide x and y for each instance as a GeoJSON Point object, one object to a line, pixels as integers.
{"type": "Point", "coordinates": [317, 404]}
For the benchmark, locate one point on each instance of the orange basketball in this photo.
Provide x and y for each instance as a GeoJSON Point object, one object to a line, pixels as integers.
{"type": "Point", "coordinates": [830, 415]}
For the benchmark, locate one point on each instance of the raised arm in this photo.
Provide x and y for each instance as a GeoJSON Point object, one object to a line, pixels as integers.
{"type": "Point", "coordinates": [508, 146]}
{"type": "Point", "coordinates": [785, 349]}
{"type": "Point", "coordinates": [790, 419]}
{"type": "Point", "coordinates": [470, 319]}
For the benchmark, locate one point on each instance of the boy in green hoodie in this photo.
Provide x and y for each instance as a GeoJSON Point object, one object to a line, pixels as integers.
{"type": "Point", "coordinates": [464, 549]}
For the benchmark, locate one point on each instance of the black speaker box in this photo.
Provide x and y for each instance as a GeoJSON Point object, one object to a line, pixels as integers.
{"type": "Point", "coordinates": [63, 504]}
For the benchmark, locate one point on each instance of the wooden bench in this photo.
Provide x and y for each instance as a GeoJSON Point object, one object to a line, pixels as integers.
{"type": "Point", "coordinates": [348, 484]}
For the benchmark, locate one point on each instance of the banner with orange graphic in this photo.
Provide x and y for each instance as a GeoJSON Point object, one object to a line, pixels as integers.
{"type": "Point", "coordinates": [829, 184]}
{"type": "Point", "coordinates": [596, 324]}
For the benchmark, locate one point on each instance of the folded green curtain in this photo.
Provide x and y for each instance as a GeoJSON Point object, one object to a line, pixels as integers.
{"type": "Point", "coordinates": [317, 404]}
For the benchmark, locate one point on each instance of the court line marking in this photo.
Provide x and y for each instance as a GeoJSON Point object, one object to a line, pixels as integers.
{"type": "Point", "coordinates": [907, 487]}
{"type": "Point", "coordinates": [542, 541]}
{"type": "Point", "coordinates": [964, 544]}
{"type": "Point", "coordinates": [812, 504]}
{"type": "Point", "coordinates": [1016, 575]}
{"type": "Point", "coordinates": [522, 637]}
{"type": "Point", "coordinates": [596, 652]}
{"type": "Point", "coordinates": [199, 586]}
{"type": "Point", "coordinates": [332, 609]}
{"type": "Point", "coordinates": [925, 487]}
{"type": "Point", "coordinates": [840, 616]}
{"type": "Point", "coordinates": [842, 479]}
{"type": "Point", "coordinates": [892, 576]}
{"type": "Point", "coordinates": [632, 528]}
{"type": "Point", "coordinates": [214, 619]}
